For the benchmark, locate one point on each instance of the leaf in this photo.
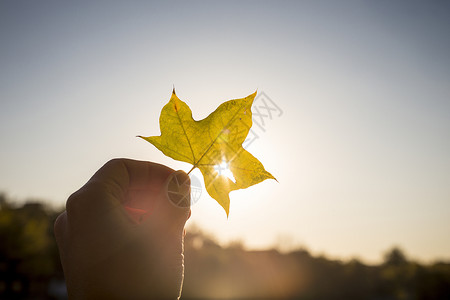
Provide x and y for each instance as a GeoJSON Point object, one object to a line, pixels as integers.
{"type": "Point", "coordinates": [214, 145]}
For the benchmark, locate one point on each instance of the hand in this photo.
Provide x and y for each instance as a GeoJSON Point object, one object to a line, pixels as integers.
{"type": "Point", "coordinates": [121, 236]}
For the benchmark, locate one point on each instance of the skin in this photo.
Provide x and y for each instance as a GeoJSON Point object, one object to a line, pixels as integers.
{"type": "Point", "coordinates": [121, 236]}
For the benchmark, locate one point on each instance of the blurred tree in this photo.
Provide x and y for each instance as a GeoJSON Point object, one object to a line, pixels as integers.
{"type": "Point", "coordinates": [395, 257]}
{"type": "Point", "coordinates": [28, 255]}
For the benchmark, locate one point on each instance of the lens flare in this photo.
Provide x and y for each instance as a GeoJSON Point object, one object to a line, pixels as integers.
{"type": "Point", "coordinates": [223, 169]}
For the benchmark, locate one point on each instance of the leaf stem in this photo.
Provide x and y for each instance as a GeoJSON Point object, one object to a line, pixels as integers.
{"type": "Point", "coordinates": [193, 167]}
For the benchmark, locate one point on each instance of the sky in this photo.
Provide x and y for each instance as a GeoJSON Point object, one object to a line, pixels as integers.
{"type": "Point", "coordinates": [359, 138]}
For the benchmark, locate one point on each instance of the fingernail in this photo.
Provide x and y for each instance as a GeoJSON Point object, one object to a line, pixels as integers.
{"type": "Point", "coordinates": [179, 189]}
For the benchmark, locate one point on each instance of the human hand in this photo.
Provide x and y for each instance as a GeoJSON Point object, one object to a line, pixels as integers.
{"type": "Point", "coordinates": [121, 236]}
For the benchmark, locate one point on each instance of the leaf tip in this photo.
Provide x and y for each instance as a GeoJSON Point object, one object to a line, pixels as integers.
{"type": "Point", "coordinates": [272, 177]}
{"type": "Point", "coordinates": [225, 205]}
{"type": "Point", "coordinates": [173, 89]}
{"type": "Point", "coordinates": [252, 96]}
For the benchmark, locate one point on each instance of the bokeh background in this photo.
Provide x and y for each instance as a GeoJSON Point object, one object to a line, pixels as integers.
{"type": "Point", "coordinates": [360, 142]}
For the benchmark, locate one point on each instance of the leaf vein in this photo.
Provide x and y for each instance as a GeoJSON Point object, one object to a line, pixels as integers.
{"type": "Point", "coordinates": [187, 138]}
{"type": "Point", "coordinates": [215, 139]}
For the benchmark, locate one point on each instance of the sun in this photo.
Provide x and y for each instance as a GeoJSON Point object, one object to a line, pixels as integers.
{"type": "Point", "coordinates": [223, 169]}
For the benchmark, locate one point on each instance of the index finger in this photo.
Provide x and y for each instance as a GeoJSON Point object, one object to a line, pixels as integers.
{"type": "Point", "coordinates": [128, 174]}
{"type": "Point", "coordinates": [115, 183]}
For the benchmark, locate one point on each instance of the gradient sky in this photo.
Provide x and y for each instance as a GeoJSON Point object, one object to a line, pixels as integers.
{"type": "Point", "coordinates": [361, 151]}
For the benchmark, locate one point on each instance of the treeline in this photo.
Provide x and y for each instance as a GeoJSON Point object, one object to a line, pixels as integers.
{"type": "Point", "coordinates": [213, 272]}
{"type": "Point", "coordinates": [30, 268]}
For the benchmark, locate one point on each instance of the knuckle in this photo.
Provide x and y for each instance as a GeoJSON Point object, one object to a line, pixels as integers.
{"type": "Point", "coordinates": [73, 201]}
{"type": "Point", "coordinates": [59, 225]}
{"type": "Point", "coordinates": [79, 198]}
{"type": "Point", "coordinates": [88, 197]}
{"type": "Point", "coordinates": [113, 163]}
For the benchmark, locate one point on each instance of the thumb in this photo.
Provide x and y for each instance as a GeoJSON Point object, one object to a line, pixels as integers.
{"type": "Point", "coordinates": [177, 202]}
{"type": "Point", "coordinates": [179, 190]}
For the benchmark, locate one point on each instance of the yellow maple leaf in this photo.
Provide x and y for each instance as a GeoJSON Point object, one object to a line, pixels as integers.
{"type": "Point", "coordinates": [214, 145]}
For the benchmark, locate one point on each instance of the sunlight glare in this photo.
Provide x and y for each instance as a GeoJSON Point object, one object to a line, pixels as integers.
{"type": "Point", "coordinates": [223, 169]}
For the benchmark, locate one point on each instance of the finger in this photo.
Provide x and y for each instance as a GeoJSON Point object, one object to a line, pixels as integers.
{"type": "Point", "coordinates": [127, 174]}
{"type": "Point", "coordinates": [179, 191]}
{"type": "Point", "coordinates": [117, 182]}
{"type": "Point", "coordinates": [60, 232]}
{"type": "Point", "coordinates": [60, 228]}
{"type": "Point", "coordinates": [173, 206]}
{"type": "Point", "coordinates": [146, 184]}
